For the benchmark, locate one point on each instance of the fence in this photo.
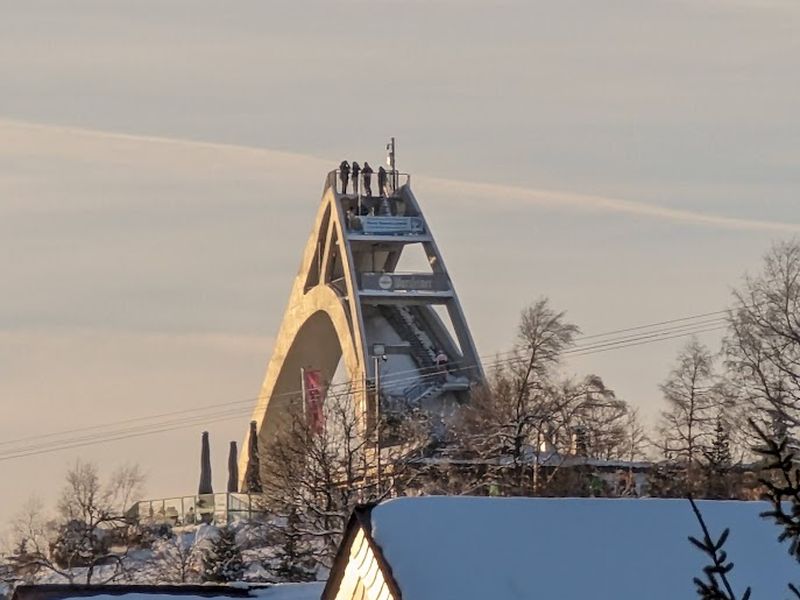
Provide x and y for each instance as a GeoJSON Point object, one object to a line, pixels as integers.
{"type": "Point", "coordinates": [394, 181]}
{"type": "Point", "coordinates": [219, 509]}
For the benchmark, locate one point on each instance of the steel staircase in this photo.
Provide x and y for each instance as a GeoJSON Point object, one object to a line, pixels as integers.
{"type": "Point", "coordinates": [395, 316]}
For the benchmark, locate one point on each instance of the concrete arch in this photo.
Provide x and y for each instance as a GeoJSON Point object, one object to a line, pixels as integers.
{"type": "Point", "coordinates": [316, 333]}
{"type": "Point", "coordinates": [320, 327]}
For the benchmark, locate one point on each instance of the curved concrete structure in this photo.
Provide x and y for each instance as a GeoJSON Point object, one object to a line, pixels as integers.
{"type": "Point", "coordinates": [347, 298]}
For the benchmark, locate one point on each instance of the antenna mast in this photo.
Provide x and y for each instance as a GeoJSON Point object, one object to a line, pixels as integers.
{"type": "Point", "coordinates": [390, 161]}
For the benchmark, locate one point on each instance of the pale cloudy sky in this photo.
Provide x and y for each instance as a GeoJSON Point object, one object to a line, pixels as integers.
{"type": "Point", "coordinates": [161, 162]}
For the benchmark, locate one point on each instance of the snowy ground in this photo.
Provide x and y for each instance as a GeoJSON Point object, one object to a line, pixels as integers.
{"type": "Point", "coordinates": [142, 564]}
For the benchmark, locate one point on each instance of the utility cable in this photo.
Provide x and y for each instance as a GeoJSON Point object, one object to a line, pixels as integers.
{"type": "Point", "coordinates": [645, 337]}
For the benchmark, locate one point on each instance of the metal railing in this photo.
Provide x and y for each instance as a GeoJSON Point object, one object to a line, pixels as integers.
{"type": "Point", "coordinates": [221, 508]}
{"type": "Point", "coordinates": [394, 181]}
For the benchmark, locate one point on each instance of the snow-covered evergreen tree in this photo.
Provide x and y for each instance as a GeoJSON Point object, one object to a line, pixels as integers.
{"type": "Point", "coordinates": [223, 562]}
{"type": "Point", "coordinates": [295, 554]}
{"type": "Point", "coordinates": [175, 559]}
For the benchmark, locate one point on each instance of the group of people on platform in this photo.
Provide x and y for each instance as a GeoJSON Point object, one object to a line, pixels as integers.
{"type": "Point", "coordinates": [350, 173]}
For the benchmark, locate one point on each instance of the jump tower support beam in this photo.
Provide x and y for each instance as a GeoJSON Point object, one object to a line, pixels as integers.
{"type": "Point", "coordinates": [348, 302]}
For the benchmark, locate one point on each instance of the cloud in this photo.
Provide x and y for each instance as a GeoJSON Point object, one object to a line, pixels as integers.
{"type": "Point", "coordinates": [87, 141]}
{"type": "Point", "coordinates": [513, 195]}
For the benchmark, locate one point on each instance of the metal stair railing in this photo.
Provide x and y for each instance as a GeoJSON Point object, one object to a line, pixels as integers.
{"type": "Point", "coordinates": [422, 336]}
{"type": "Point", "coordinates": [418, 351]}
{"type": "Point", "coordinates": [420, 391]}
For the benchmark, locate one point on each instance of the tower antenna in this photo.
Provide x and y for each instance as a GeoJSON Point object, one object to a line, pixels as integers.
{"type": "Point", "coordinates": [390, 161]}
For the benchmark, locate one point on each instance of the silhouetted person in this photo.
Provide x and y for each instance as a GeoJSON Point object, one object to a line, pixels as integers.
{"type": "Point", "coordinates": [354, 171]}
{"type": "Point", "coordinates": [344, 175]}
{"type": "Point", "coordinates": [366, 174]}
{"type": "Point", "coordinates": [382, 181]}
{"type": "Point", "coordinates": [441, 361]}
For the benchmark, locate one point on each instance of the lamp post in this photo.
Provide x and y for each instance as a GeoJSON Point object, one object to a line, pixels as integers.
{"type": "Point", "coordinates": [378, 356]}
{"type": "Point", "coordinates": [390, 161]}
{"type": "Point", "coordinates": [377, 365]}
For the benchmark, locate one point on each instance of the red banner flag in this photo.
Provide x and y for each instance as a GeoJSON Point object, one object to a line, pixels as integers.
{"type": "Point", "coordinates": [315, 418]}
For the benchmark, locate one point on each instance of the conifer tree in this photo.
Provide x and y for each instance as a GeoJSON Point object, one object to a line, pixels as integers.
{"type": "Point", "coordinates": [719, 454]}
{"type": "Point", "coordinates": [296, 559]}
{"type": "Point", "coordinates": [223, 561]}
{"type": "Point", "coordinates": [719, 460]}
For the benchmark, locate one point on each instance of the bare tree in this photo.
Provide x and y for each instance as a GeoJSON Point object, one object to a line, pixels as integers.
{"type": "Point", "coordinates": [524, 406]}
{"type": "Point", "coordinates": [635, 444]}
{"type": "Point", "coordinates": [84, 498]}
{"type": "Point", "coordinates": [693, 402]}
{"type": "Point", "coordinates": [600, 421]}
{"type": "Point", "coordinates": [317, 476]}
{"type": "Point", "coordinates": [176, 560]}
{"type": "Point", "coordinates": [30, 551]}
{"type": "Point", "coordinates": [762, 347]}
{"type": "Point", "coordinates": [80, 540]}
{"type": "Point", "coordinates": [125, 484]}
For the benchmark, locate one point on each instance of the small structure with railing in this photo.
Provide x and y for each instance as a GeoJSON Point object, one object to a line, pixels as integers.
{"type": "Point", "coordinates": [217, 509]}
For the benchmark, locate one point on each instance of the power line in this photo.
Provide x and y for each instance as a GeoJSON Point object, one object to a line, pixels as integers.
{"type": "Point", "coordinates": [394, 380]}
{"type": "Point", "coordinates": [116, 423]}
{"type": "Point", "coordinates": [391, 378]}
{"type": "Point", "coordinates": [147, 422]}
{"type": "Point", "coordinates": [68, 446]}
{"type": "Point", "coordinates": [483, 358]}
{"type": "Point", "coordinates": [698, 316]}
{"type": "Point", "coordinates": [147, 428]}
{"type": "Point", "coordinates": [650, 341]}
{"type": "Point", "coordinates": [684, 329]}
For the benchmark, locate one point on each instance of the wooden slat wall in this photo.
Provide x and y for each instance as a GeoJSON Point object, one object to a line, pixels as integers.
{"type": "Point", "coordinates": [363, 579]}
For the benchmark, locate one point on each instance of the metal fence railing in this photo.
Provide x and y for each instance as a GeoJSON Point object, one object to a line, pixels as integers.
{"type": "Point", "coordinates": [220, 509]}
{"type": "Point", "coordinates": [357, 187]}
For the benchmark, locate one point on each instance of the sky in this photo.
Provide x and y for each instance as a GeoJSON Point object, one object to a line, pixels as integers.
{"type": "Point", "coordinates": [161, 164]}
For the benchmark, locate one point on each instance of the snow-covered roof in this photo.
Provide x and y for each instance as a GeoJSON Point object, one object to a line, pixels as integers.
{"type": "Point", "coordinates": [279, 591]}
{"type": "Point", "coordinates": [525, 548]}
{"type": "Point", "coordinates": [290, 591]}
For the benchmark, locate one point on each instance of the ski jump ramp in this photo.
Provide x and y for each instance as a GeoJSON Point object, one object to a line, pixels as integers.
{"type": "Point", "coordinates": [349, 304]}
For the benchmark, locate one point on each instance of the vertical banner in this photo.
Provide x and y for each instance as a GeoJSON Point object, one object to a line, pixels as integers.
{"type": "Point", "coordinates": [312, 383]}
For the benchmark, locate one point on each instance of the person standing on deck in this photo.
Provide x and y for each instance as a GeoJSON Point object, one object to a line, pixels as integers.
{"type": "Point", "coordinates": [366, 173]}
{"type": "Point", "coordinates": [354, 171]}
{"type": "Point", "coordinates": [382, 181]}
{"type": "Point", "coordinates": [344, 175]}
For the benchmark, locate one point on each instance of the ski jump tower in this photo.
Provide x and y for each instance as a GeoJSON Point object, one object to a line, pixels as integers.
{"type": "Point", "coordinates": [350, 304]}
